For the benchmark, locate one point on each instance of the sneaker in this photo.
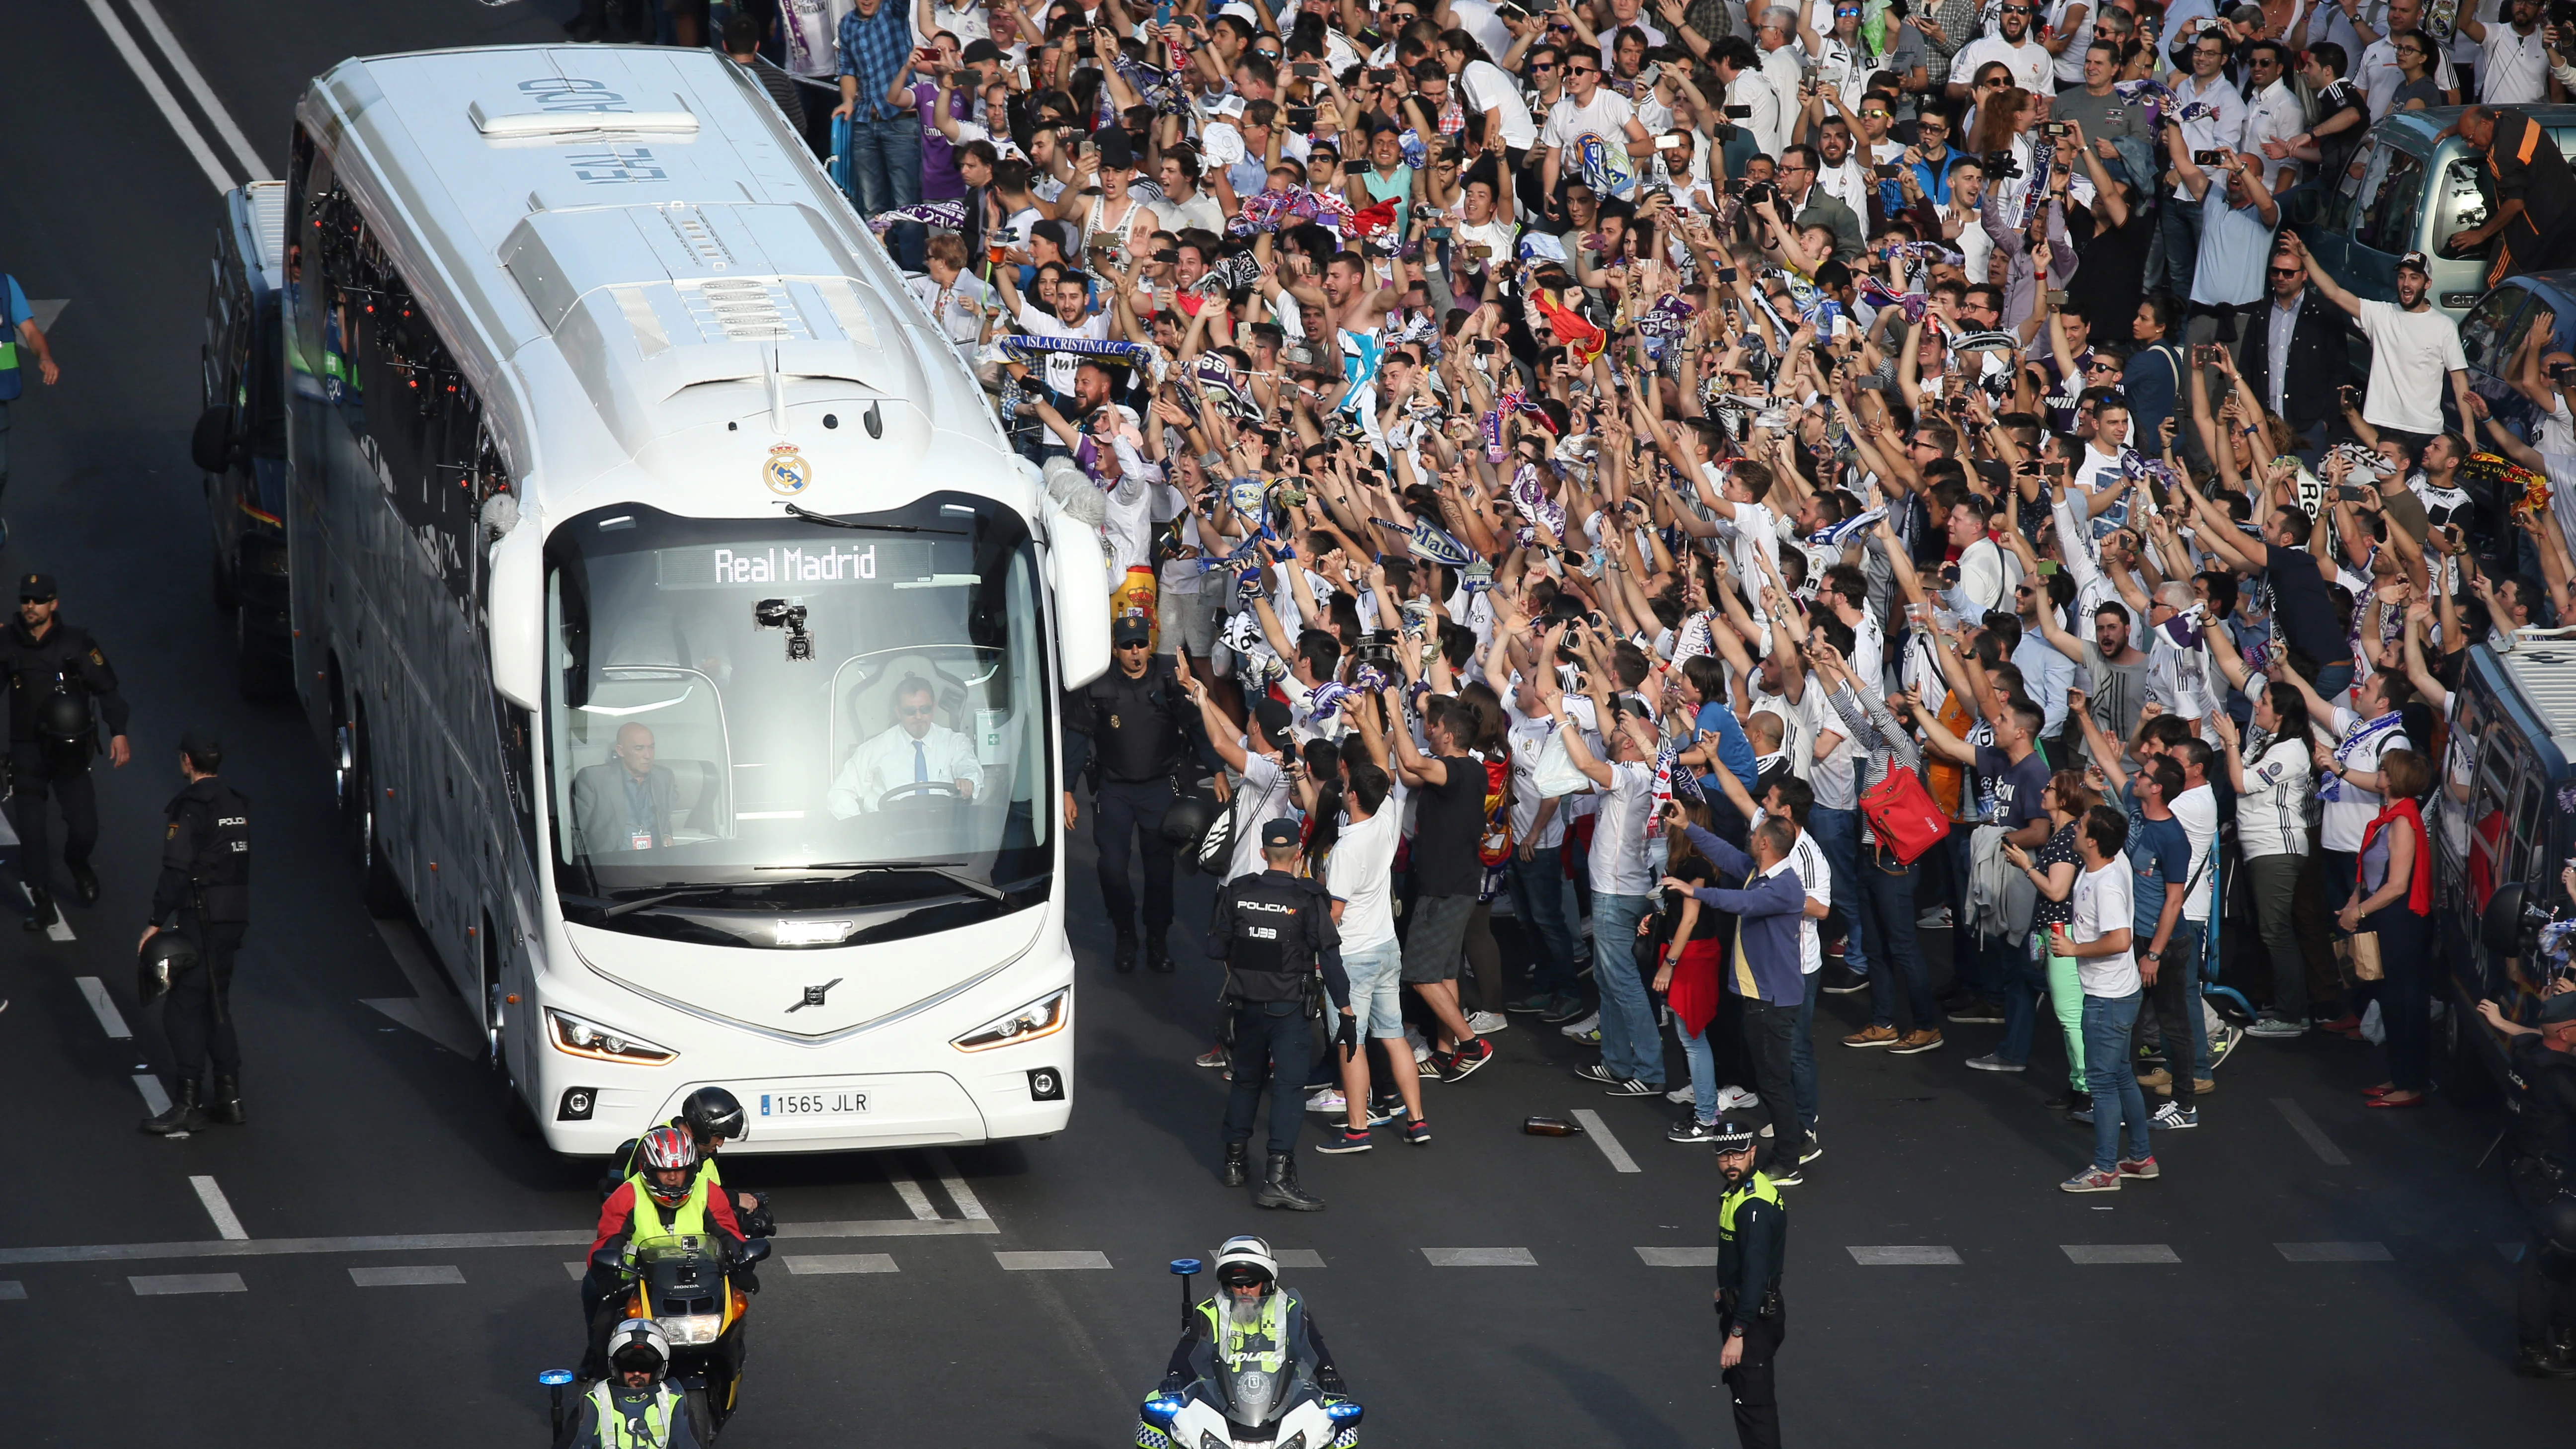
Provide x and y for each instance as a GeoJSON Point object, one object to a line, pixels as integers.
{"type": "Point", "coordinates": [1923, 1039]}
{"type": "Point", "coordinates": [1992, 1063]}
{"type": "Point", "coordinates": [2170, 1115]}
{"type": "Point", "coordinates": [1385, 1110]}
{"type": "Point", "coordinates": [1345, 1140]}
{"type": "Point", "coordinates": [2151, 1051]}
{"type": "Point", "coordinates": [1531, 1005]}
{"type": "Point", "coordinates": [1421, 1048]}
{"type": "Point", "coordinates": [1418, 1132]}
{"type": "Point", "coordinates": [2229, 1034]}
{"type": "Point", "coordinates": [1597, 1072]}
{"type": "Point", "coordinates": [1635, 1088]}
{"type": "Point", "coordinates": [1464, 1062]}
{"type": "Point", "coordinates": [2081, 1114]}
{"type": "Point", "coordinates": [2091, 1179]}
{"type": "Point", "coordinates": [1872, 1036]}
{"type": "Point", "coordinates": [1847, 986]}
{"type": "Point", "coordinates": [1977, 1013]}
{"type": "Point", "coordinates": [1589, 1023]}
{"type": "Point", "coordinates": [1691, 1130]}
{"type": "Point", "coordinates": [2276, 1028]}
{"type": "Point", "coordinates": [1791, 1178]}
{"type": "Point", "coordinates": [2143, 1167]}
{"type": "Point", "coordinates": [1566, 1008]}
{"type": "Point", "coordinates": [1685, 1094]}
{"type": "Point", "coordinates": [1213, 1057]}
{"type": "Point", "coordinates": [1810, 1152]}
{"type": "Point", "coordinates": [1735, 1099]}
{"type": "Point", "coordinates": [1935, 919]}
{"type": "Point", "coordinates": [1483, 1022]}
{"type": "Point", "coordinates": [1327, 1100]}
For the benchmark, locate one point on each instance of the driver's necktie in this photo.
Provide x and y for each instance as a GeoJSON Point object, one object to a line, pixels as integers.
{"type": "Point", "coordinates": [920, 764]}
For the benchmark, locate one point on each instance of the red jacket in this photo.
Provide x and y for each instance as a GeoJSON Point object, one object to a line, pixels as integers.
{"type": "Point", "coordinates": [617, 1215]}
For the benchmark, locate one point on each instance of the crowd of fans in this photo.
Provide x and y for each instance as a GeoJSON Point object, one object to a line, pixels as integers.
{"type": "Point", "coordinates": [1857, 498]}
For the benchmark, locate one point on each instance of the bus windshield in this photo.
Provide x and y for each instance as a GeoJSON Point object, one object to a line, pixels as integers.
{"type": "Point", "coordinates": [796, 712]}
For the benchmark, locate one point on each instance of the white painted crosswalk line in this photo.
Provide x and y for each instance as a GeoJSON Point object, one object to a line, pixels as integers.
{"type": "Point", "coordinates": [914, 1199]}
{"type": "Point", "coordinates": [1905, 1256]}
{"type": "Point", "coordinates": [173, 1284]}
{"type": "Point", "coordinates": [155, 1100]}
{"type": "Point", "coordinates": [1599, 1132]}
{"type": "Point", "coordinates": [226, 1222]}
{"type": "Point", "coordinates": [1051, 1261]}
{"type": "Point", "coordinates": [1678, 1257]}
{"type": "Point", "coordinates": [2310, 1133]}
{"type": "Point", "coordinates": [2099, 1253]}
{"type": "Point", "coordinates": [827, 1263]}
{"type": "Point", "coordinates": [1480, 1257]}
{"type": "Point", "coordinates": [103, 1006]}
{"type": "Point", "coordinates": [969, 1207]}
{"type": "Point", "coordinates": [2334, 1252]}
{"type": "Point", "coordinates": [575, 1270]}
{"type": "Point", "coordinates": [421, 1277]}
{"type": "Point", "coordinates": [1297, 1257]}
{"type": "Point", "coordinates": [11, 1290]}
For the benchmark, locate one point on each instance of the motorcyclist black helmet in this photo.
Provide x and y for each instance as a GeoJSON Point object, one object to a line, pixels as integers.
{"type": "Point", "coordinates": [163, 960]}
{"type": "Point", "coordinates": [63, 728]}
{"type": "Point", "coordinates": [714, 1112]}
{"type": "Point", "coordinates": [1185, 821]}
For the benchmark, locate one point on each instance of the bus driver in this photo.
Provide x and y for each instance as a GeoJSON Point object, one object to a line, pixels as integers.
{"type": "Point", "coordinates": [914, 750]}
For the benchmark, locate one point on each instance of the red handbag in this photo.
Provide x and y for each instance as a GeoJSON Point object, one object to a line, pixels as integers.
{"type": "Point", "coordinates": [1902, 813]}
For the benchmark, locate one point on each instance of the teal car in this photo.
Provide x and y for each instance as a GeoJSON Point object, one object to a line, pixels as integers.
{"type": "Point", "coordinates": [2406, 192]}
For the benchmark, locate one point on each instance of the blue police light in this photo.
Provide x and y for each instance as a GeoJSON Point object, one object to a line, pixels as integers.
{"type": "Point", "coordinates": [1344, 1412]}
{"type": "Point", "coordinates": [1163, 1408]}
{"type": "Point", "coordinates": [555, 1378]}
{"type": "Point", "coordinates": [1188, 1265]}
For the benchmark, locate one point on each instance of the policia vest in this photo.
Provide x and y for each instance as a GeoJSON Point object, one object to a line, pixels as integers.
{"type": "Point", "coordinates": [1270, 925]}
{"type": "Point", "coordinates": [633, 1421]}
{"type": "Point", "coordinates": [219, 864]}
{"type": "Point", "coordinates": [1271, 1343]}
{"type": "Point", "coordinates": [1752, 1240]}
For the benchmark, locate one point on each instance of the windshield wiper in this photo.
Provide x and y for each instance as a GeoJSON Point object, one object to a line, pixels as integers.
{"type": "Point", "coordinates": [828, 521]}
{"type": "Point", "coordinates": [629, 907]}
{"type": "Point", "coordinates": [945, 869]}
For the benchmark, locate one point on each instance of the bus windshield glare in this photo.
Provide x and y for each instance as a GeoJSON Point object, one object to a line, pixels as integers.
{"type": "Point", "coordinates": [796, 712]}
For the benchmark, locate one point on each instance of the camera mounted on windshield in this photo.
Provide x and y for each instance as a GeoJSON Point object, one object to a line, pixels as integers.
{"type": "Point", "coordinates": [788, 615]}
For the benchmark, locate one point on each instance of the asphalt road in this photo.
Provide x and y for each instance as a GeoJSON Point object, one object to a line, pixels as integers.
{"type": "Point", "coordinates": [2306, 1272]}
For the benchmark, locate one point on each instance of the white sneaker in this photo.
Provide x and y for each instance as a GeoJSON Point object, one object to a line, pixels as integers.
{"type": "Point", "coordinates": [1421, 1048]}
{"type": "Point", "coordinates": [1327, 1100]}
{"type": "Point", "coordinates": [1486, 1023]}
{"type": "Point", "coordinates": [1935, 919]}
{"type": "Point", "coordinates": [1735, 1099]}
{"type": "Point", "coordinates": [1578, 1028]}
{"type": "Point", "coordinates": [1686, 1094]}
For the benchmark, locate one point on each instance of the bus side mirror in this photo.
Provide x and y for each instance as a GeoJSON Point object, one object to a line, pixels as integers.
{"type": "Point", "coordinates": [1078, 573]}
{"type": "Point", "coordinates": [514, 599]}
{"type": "Point", "coordinates": [2500, 927]}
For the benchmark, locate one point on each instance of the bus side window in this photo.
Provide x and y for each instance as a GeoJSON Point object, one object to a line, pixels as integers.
{"type": "Point", "coordinates": [2529, 830]}
{"type": "Point", "coordinates": [2488, 848]}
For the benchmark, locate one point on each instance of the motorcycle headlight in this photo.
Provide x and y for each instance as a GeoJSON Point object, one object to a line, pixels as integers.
{"type": "Point", "coordinates": [1042, 1017]}
{"type": "Point", "coordinates": [1295, 1441]}
{"type": "Point", "coordinates": [1208, 1440]}
{"type": "Point", "coordinates": [574, 1036]}
{"type": "Point", "coordinates": [692, 1328]}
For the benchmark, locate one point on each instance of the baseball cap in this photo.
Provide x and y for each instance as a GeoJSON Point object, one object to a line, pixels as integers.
{"type": "Point", "coordinates": [2416, 260]}
{"type": "Point", "coordinates": [1272, 717]}
{"type": "Point", "coordinates": [1278, 833]}
{"type": "Point", "coordinates": [979, 50]}
{"type": "Point", "coordinates": [201, 744]}
{"type": "Point", "coordinates": [35, 586]}
{"type": "Point", "coordinates": [1116, 152]}
{"type": "Point", "coordinates": [2555, 1009]}
{"type": "Point", "coordinates": [1130, 630]}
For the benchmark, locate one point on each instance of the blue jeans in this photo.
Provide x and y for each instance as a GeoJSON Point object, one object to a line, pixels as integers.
{"type": "Point", "coordinates": [1802, 1055]}
{"type": "Point", "coordinates": [2332, 681]}
{"type": "Point", "coordinates": [2021, 1005]}
{"type": "Point", "coordinates": [1630, 1045]}
{"type": "Point", "coordinates": [1703, 1071]}
{"type": "Point", "coordinates": [2116, 1098]}
{"type": "Point", "coordinates": [1838, 832]}
{"type": "Point", "coordinates": [1538, 898]}
{"type": "Point", "coordinates": [1887, 902]}
{"type": "Point", "coordinates": [885, 164]}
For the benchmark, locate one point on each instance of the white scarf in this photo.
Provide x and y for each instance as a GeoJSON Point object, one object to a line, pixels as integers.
{"type": "Point", "coordinates": [2331, 788]}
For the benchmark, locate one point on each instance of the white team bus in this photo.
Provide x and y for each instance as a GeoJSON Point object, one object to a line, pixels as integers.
{"type": "Point", "coordinates": [687, 640]}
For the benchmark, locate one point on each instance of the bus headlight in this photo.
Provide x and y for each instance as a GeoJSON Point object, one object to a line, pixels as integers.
{"type": "Point", "coordinates": [1042, 1017]}
{"type": "Point", "coordinates": [576, 1037]}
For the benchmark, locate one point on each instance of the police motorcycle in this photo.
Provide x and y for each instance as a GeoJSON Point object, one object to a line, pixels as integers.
{"type": "Point", "coordinates": [1252, 1387]}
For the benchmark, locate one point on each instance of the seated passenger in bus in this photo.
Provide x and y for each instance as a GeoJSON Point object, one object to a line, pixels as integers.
{"type": "Point", "coordinates": [624, 803]}
{"type": "Point", "coordinates": [915, 749]}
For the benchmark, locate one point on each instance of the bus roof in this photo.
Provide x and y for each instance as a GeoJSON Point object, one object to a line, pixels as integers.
{"type": "Point", "coordinates": [663, 285]}
{"type": "Point", "coordinates": [2542, 676]}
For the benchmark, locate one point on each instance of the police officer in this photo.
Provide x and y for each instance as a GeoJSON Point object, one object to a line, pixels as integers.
{"type": "Point", "coordinates": [56, 673]}
{"type": "Point", "coordinates": [636, 1406]}
{"type": "Point", "coordinates": [1251, 1315]}
{"type": "Point", "coordinates": [1131, 727]}
{"type": "Point", "coordinates": [1753, 1243]}
{"type": "Point", "coordinates": [2541, 1067]}
{"type": "Point", "coordinates": [1274, 931]}
{"type": "Point", "coordinates": [205, 884]}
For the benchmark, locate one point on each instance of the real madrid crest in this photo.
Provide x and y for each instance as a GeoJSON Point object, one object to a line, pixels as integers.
{"type": "Point", "coordinates": [786, 472]}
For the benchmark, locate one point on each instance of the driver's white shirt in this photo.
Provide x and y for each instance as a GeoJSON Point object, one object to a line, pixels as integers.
{"type": "Point", "coordinates": [886, 762]}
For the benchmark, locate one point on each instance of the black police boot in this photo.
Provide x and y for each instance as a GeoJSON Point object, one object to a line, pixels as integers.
{"type": "Point", "coordinates": [182, 1116]}
{"type": "Point", "coordinates": [40, 909]}
{"type": "Point", "coordinates": [1236, 1164]}
{"type": "Point", "coordinates": [1158, 955]}
{"type": "Point", "coordinates": [2547, 1359]}
{"type": "Point", "coordinates": [84, 882]}
{"type": "Point", "coordinates": [1125, 960]}
{"type": "Point", "coordinates": [1279, 1187]}
{"type": "Point", "coordinates": [226, 1106]}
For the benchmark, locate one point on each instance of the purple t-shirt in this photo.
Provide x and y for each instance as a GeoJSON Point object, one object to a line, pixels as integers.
{"type": "Point", "coordinates": [939, 178]}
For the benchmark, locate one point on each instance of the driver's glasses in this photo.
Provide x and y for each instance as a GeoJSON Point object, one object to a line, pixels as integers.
{"type": "Point", "coordinates": [1139, 644]}
{"type": "Point", "coordinates": [911, 711]}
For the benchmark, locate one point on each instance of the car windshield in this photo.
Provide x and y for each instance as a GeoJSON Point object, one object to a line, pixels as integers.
{"type": "Point", "coordinates": [774, 714]}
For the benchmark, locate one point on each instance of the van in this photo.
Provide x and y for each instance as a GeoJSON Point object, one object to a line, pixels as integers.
{"type": "Point", "coordinates": [240, 438]}
{"type": "Point", "coordinates": [2505, 828]}
{"type": "Point", "coordinates": [2406, 192]}
{"type": "Point", "coordinates": [2491, 336]}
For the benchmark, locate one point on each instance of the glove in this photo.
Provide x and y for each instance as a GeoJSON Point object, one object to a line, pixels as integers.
{"type": "Point", "coordinates": [1347, 1037]}
{"type": "Point", "coordinates": [1329, 1379]}
{"type": "Point", "coordinates": [1173, 1383]}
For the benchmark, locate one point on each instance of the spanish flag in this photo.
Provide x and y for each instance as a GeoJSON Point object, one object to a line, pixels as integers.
{"type": "Point", "coordinates": [1583, 341]}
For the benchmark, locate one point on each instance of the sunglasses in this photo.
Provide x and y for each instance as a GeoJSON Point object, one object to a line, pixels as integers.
{"type": "Point", "coordinates": [2286, 271]}
{"type": "Point", "coordinates": [1542, 65]}
{"type": "Point", "coordinates": [2016, 10]}
{"type": "Point", "coordinates": [1583, 70]}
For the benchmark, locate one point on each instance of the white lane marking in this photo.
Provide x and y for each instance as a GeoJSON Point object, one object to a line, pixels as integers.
{"type": "Point", "coordinates": [1480, 1257]}
{"type": "Point", "coordinates": [2334, 1252]}
{"type": "Point", "coordinates": [1297, 1257]}
{"type": "Point", "coordinates": [155, 1100]}
{"type": "Point", "coordinates": [1599, 1132]}
{"type": "Point", "coordinates": [11, 1290]}
{"type": "Point", "coordinates": [189, 136]}
{"type": "Point", "coordinates": [1678, 1257]}
{"type": "Point", "coordinates": [575, 1270]}
{"type": "Point", "coordinates": [176, 1283]}
{"type": "Point", "coordinates": [57, 929]}
{"type": "Point", "coordinates": [104, 1006]}
{"type": "Point", "coordinates": [843, 1263]}
{"type": "Point", "coordinates": [425, 1242]}
{"type": "Point", "coordinates": [2097, 1253]}
{"type": "Point", "coordinates": [913, 1197]}
{"type": "Point", "coordinates": [1905, 1256]}
{"type": "Point", "coordinates": [46, 309]}
{"type": "Point", "coordinates": [1049, 1262]}
{"type": "Point", "coordinates": [186, 70]}
{"type": "Point", "coordinates": [423, 1277]}
{"type": "Point", "coordinates": [226, 1223]}
{"type": "Point", "coordinates": [2310, 1133]}
{"type": "Point", "coordinates": [969, 1206]}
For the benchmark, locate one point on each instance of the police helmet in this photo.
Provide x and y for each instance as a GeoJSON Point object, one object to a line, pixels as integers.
{"type": "Point", "coordinates": [163, 960]}
{"type": "Point", "coordinates": [638, 1346]}
{"type": "Point", "coordinates": [63, 726]}
{"type": "Point", "coordinates": [714, 1112]}
{"type": "Point", "coordinates": [1185, 823]}
{"type": "Point", "coordinates": [1245, 1261]}
{"type": "Point", "coordinates": [665, 1149]}
{"type": "Point", "coordinates": [2555, 1222]}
